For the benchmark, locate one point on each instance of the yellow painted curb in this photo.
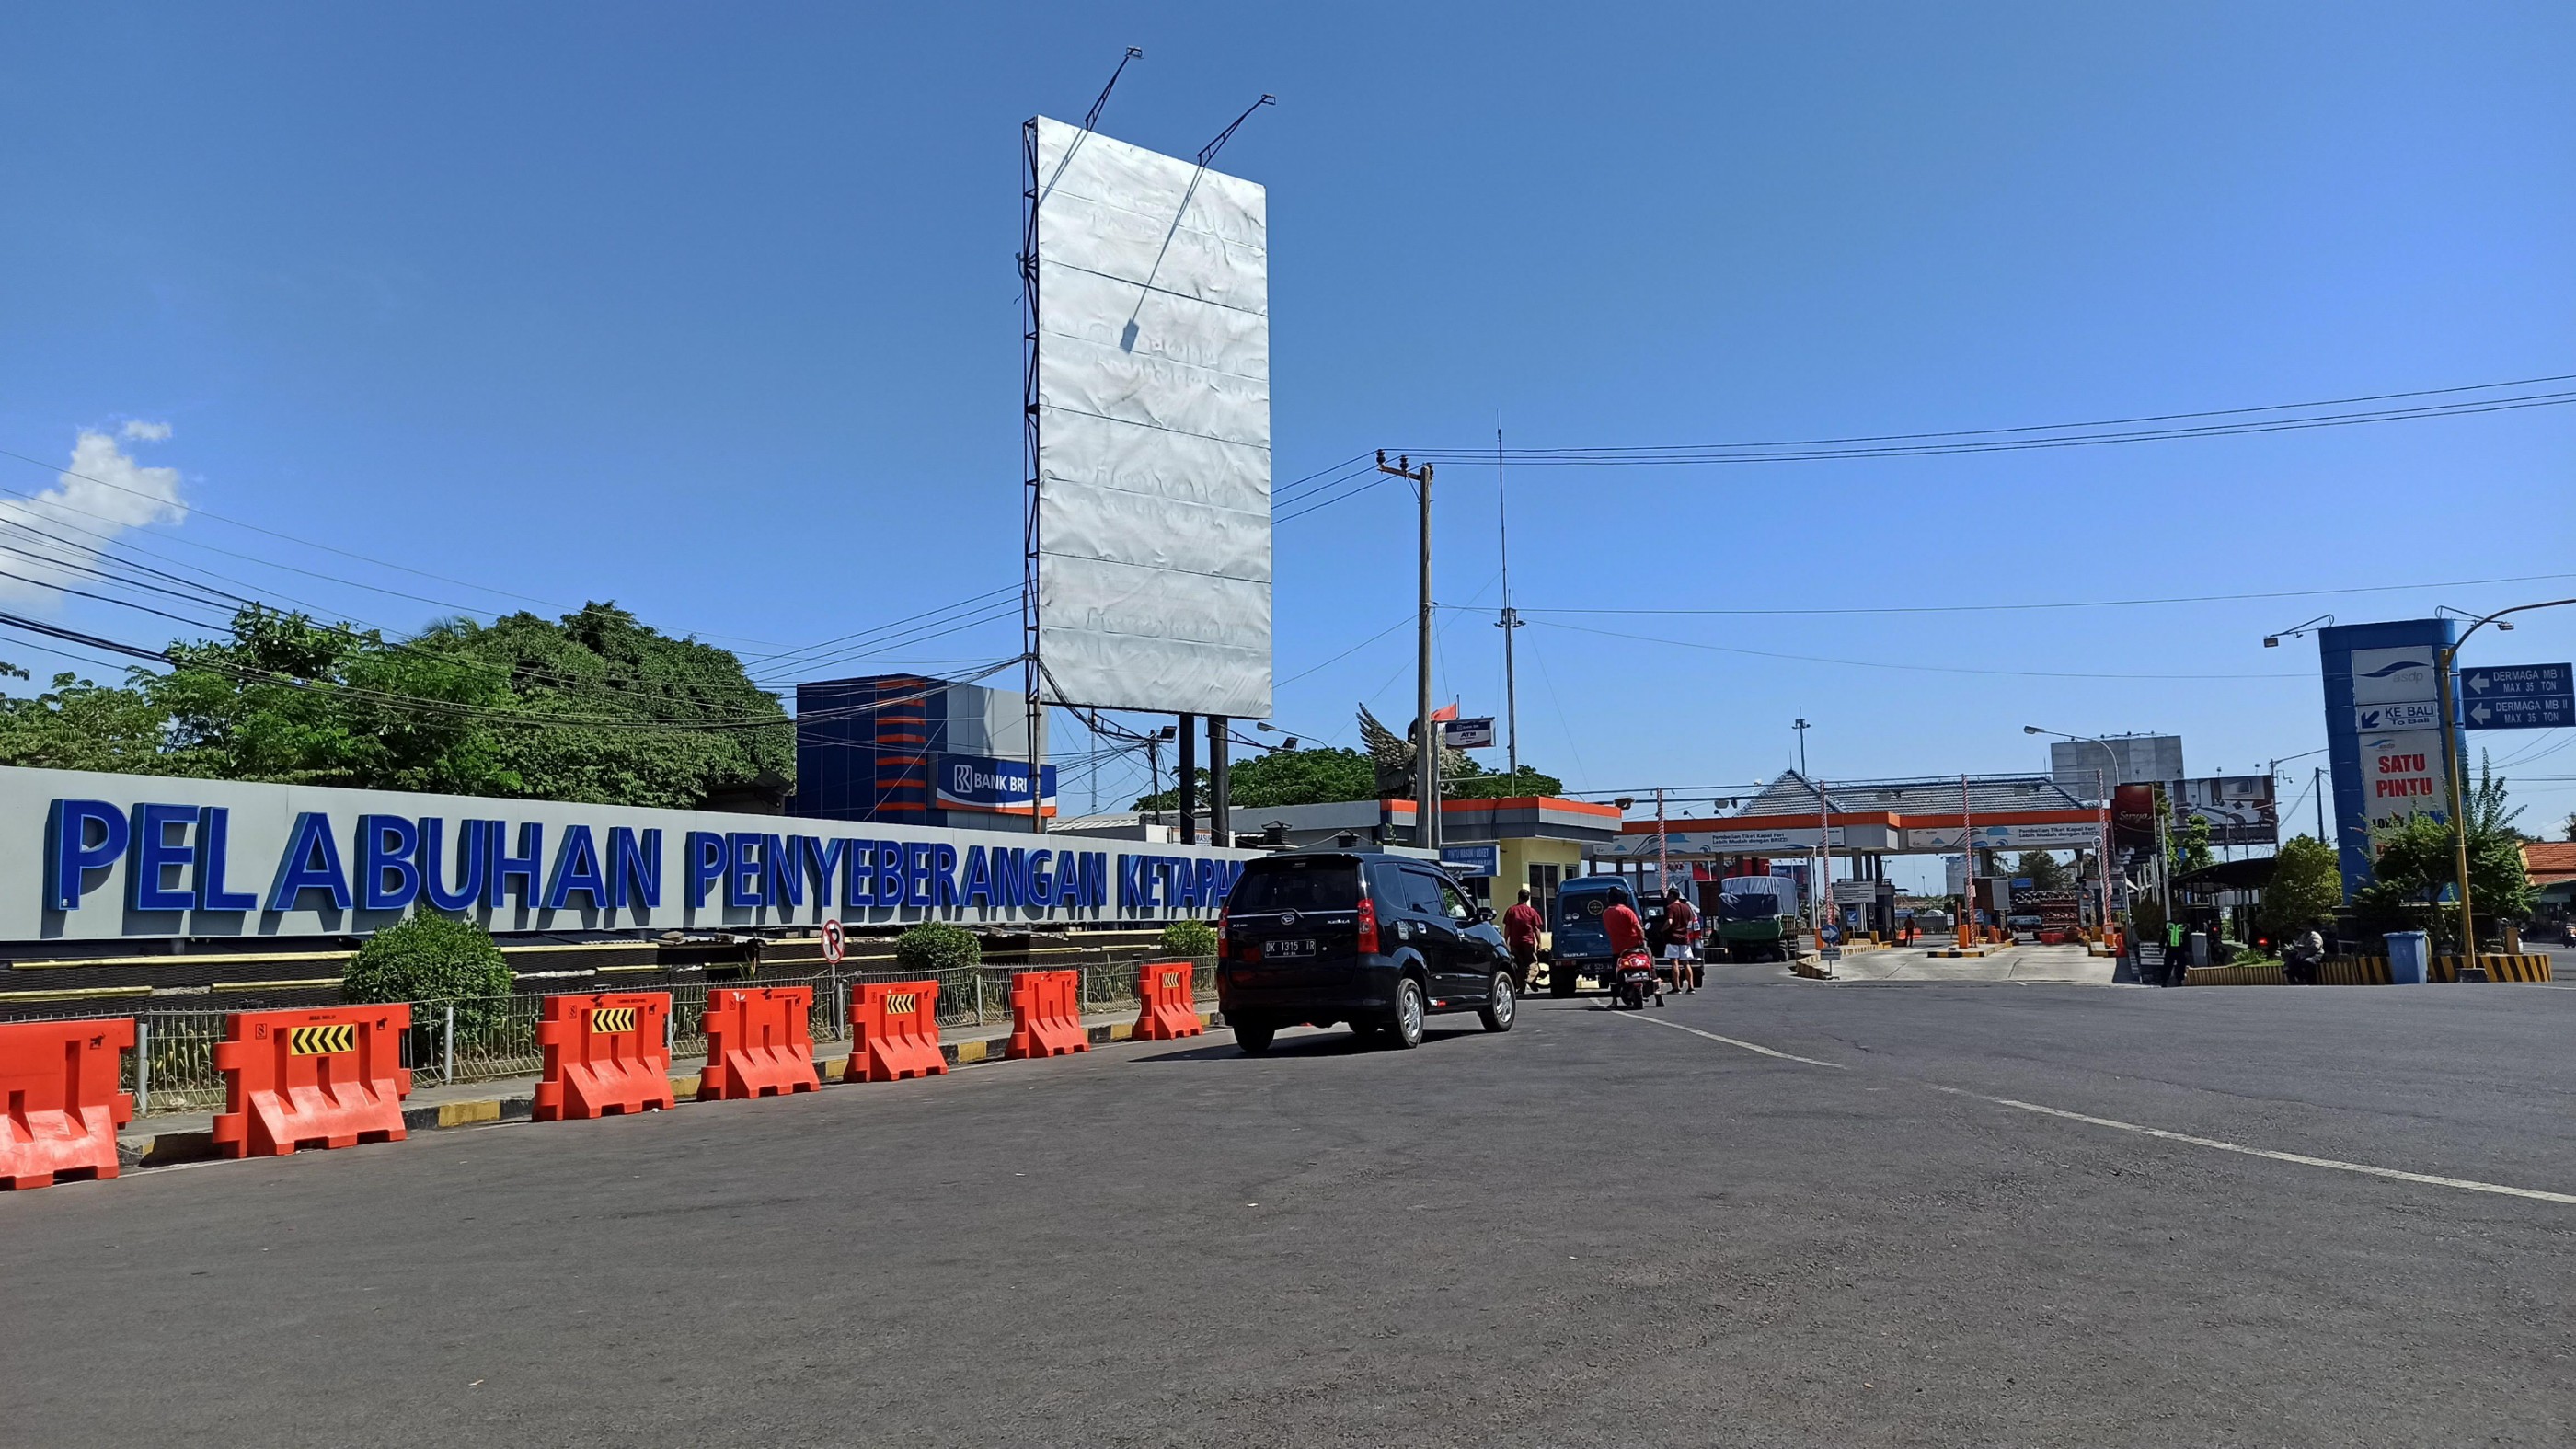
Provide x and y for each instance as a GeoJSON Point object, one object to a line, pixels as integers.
{"type": "Point", "coordinates": [972, 1051]}
{"type": "Point", "coordinates": [466, 1114]}
{"type": "Point", "coordinates": [1122, 1031]}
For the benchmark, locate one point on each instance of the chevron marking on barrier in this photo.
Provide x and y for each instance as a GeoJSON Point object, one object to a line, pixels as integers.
{"type": "Point", "coordinates": [612, 1018]}
{"type": "Point", "coordinates": [321, 1041]}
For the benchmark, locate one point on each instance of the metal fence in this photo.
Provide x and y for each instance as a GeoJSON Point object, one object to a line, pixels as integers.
{"type": "Point", "coordinates": [172, 1068]}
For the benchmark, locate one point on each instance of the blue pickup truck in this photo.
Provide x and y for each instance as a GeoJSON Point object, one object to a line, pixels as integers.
{"type": "Point", "coordinates": [1578, 946]}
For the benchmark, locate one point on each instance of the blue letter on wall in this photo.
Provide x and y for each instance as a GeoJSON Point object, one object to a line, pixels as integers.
{"type": "Point", "coordinates": [388, 869]}
{"type": "Point", "coordinates": [473, 846]}
{"type": "Point", "coordinates": [634, 871]}
{"type": "Point", "coordinates": [576, 869]}
{"type": "Point", "coordinates": [214, 843]}
{"type": "Point", "coordinates": [311, 863]}
{"type": "Point", "coordinates": [70, 855]}
{"type": "Point", "coordinates": [156, 855]}
{"type": "Point", "coordinates": [706, 851]}
{"type": "Point", "coordinates": [522, 867]}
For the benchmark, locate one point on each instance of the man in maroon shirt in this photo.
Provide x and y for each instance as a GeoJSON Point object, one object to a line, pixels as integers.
{"type": "Point", "coordinates": [1521, 925]}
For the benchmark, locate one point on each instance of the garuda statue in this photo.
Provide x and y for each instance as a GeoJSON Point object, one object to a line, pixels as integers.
{"type": "Point", "coordinates": [1393, 755]}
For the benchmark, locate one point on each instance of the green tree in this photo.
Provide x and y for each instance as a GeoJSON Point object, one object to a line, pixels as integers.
{"type": "Point", "coordinates": [2418, 857]}
{"type": "Point", "coordinates": [2045, 870]}
{"type": "Point", "coordinates": [2191, 846]}
{"type": "Point", "coordinates": [593, 707]}
{"type": "Point", "coordinates": [2306, 888]}
{"type": "Point", "coordinates": [78, 725]}
{"type": "Point", "coordinates": [1330, 775]}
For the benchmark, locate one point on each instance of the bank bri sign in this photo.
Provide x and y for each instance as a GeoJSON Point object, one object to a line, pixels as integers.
{"type": "Point", "coordinates": [106, 857]}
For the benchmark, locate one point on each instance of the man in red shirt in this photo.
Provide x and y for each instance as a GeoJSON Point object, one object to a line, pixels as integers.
{"type": "Point", "coordinates": [1627, 934]}
{"type": "Point", "coordinates": [1521, 926]}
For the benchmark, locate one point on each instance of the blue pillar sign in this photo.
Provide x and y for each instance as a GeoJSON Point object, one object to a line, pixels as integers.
{"type": "Point", "coordinates": [2383, 730]}
{"type": "Point", "coordinates": [2517, 697]}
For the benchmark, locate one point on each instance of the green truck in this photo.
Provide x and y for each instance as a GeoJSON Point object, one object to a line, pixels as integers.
{"type": "Point", "coordinates": [1757, 918]}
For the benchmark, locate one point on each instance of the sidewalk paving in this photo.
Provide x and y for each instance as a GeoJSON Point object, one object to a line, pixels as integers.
{"type": "Point", "coordinates": [169, 1137]}
{"type": "Point", "coordinates": [2055, 964]}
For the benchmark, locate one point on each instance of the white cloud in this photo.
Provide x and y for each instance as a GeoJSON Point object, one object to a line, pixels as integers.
{"type": "Point", "coordinates": [46, 540]}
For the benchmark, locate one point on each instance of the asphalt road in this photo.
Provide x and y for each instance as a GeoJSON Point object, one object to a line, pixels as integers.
{"type": "Point", "coordinates": [1597, 1229]}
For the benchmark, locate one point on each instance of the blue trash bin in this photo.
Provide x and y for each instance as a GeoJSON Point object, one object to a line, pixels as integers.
{"type": "Point", "coordinates": [2409, 954]}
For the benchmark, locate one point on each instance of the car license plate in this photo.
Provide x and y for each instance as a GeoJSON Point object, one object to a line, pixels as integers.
{"type": "Point", "coordinates": [1282, 950]}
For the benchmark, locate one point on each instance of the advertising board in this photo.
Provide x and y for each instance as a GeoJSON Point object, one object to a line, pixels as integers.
{"type": "Point", "coordinates": [1149, 294]}
{"type": "Point", "coordinates": [980, 782]}
{"type": "Point", "coordinates": [2239, 809]}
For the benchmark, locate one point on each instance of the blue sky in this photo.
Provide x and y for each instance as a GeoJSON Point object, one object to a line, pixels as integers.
{"type": "Point", "coordinates": [713, 312]}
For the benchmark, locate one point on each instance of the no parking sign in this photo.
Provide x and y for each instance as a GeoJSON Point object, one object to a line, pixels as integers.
{"type": "Point", "coordinates": [832, 942]}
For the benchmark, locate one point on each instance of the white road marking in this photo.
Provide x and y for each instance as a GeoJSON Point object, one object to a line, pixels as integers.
{"type": "Point", "coordinates": [1746, 1045]}
{"type": "Point", "coordinates": [2459, 1184]}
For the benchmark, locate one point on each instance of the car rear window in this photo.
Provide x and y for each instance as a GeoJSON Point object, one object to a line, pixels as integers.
{"type": "Point", "coordinates": [1297, 885]}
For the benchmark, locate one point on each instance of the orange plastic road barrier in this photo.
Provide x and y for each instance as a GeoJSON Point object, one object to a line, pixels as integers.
{"type": "Point", "coordinates": [1046, 1015]}
{"type": "Point", "coordinates": [327, 1078]}
{"type": "Point", "coordinates": [894, 1032]}
{"type": "Point", "coordinates": [759, 1043]}
{"type": "Point", "coordinates": [1171, 1005]}
{"type": "Point", "coordinates": [604, 1055]}
{"type": "Point", "coordinates": [59, 1079]}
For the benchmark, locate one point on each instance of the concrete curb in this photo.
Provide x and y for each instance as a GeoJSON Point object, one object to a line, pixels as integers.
{"type": "Point", "coordinates": [164, 1149]}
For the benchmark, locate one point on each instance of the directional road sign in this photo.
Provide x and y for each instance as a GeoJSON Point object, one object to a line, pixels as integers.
{"type": "Point", "coordinates": [2518, 697]}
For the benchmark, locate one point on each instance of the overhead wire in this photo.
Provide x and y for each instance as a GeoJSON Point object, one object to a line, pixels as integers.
{"type": "Point", "coordinates": [2039, 435]}
{"type": "Point", "coordinates": [1882, 664]}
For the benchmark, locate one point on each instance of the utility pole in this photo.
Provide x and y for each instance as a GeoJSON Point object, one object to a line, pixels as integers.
{"type": "Point", "coordinates": [1426, 737]}
{"type": "Point", "coordinates": [1967, 863]}
{"type": "Point", "coordinates": [1511, 622]}
{"type": "Point", "coordinates": [1821, 865]}
{"type": "Point", "coordinates": [2317, 783]}
{"type": "Point", "coordinates": [1185, 778]}
{"type": "Point", "coordinates": [1663, 849]}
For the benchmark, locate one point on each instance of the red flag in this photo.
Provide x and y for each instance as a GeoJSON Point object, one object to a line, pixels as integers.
{"type": "Point", "coordinates": [1446, 711]}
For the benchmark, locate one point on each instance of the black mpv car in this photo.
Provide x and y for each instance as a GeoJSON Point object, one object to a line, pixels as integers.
{"type": "Point", "coordinates": [1377, 940]}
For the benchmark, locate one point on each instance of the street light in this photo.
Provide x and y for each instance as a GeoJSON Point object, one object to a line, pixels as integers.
{"type": "Point", "coordinates": [2446, 660]}
{"type": "Point", "coordinates": [2104, 784]}
{"type": "Point", "coordinates": [2296, 631]}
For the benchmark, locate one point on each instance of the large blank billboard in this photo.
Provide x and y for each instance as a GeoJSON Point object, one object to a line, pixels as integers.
{"type": "Point", "coordinates": [1151, 391]}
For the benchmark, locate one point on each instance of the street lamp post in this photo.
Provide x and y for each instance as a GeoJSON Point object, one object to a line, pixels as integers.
{"type": "Point", "coordinates": [2102, 787]}
{"type": "Point", "coordinates": [2445, 661]}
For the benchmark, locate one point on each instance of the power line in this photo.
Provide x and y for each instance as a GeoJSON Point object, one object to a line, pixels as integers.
{"type": "Point", "coordinates": [1881, 664]}
{"type": "Point", "coordinates": [2147, 428]}
{"type": "Point", "coordinates": [2057, 604]}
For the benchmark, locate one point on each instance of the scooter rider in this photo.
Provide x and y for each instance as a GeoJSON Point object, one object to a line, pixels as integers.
{"type": "Point", "coordinates": [1627, 934]}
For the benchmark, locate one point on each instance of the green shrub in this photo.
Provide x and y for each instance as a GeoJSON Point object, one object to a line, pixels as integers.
{"type": "Point", "coordinates": [938, 946]}
{"type": "Point", "coordinates": [431, 958]}
{"type": "Point", "coordinates": [1189, 938]}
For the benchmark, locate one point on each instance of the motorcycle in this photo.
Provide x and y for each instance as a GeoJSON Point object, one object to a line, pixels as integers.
{"type": "Point", "coordinates": [1632, 980]}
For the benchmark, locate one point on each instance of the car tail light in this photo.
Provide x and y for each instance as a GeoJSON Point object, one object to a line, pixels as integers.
{"type": "Point", "coordinates": [1224, 942]}
{"type": "Point", "coordinates": [1368, 927]}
